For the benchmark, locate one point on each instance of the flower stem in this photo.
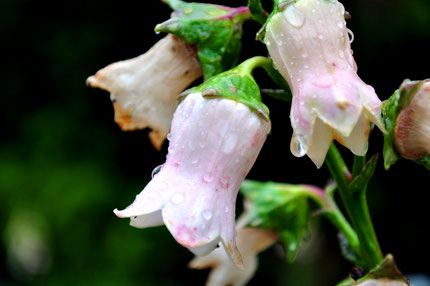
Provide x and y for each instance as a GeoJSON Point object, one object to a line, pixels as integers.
{"type": "Point", "coordinates": [250, 64]}
{"type": "Point", "coordinates": [325, 201]}
{"type": "Point", "coordinates": [356, 206]}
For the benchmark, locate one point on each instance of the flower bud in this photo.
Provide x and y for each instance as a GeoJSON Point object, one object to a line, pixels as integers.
{"type": "Point", "coordinates": [308, 41]}
{"type": "Point", "coordinates": [412, 131]}
{"type": "Point", "coordinates": [144, 89]}
{"type": "Point", "coordinates": [214, 142]}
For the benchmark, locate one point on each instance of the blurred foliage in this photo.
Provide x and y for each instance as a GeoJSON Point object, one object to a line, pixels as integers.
{"type": "Point", "coordinates": [65, 165]}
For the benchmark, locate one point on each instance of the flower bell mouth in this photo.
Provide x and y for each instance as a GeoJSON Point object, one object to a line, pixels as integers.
{"type": "Point", "coordinates": [309, 44]}
{"type": "Point", "coordinates": [144, 89]}
{"type": "Point", "coordinates": [213, 144]}
{"type": "Point", "coordinates": [250, 241]}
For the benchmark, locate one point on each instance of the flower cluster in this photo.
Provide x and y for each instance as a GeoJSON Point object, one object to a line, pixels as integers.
{"type": "Point", "coordinates": [216, 130]}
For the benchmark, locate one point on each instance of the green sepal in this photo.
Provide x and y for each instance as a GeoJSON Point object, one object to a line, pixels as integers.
{"type": "Point", "coordinates": [347, 250]}
{"type": "Point", "coordinates": [425, 161]}
{"type": "Point", "coordinates": [257, 11]}
{"type": "Point", "coordinates": [236, 84]}
{"type": "Point", "coordinates": [280, 207]}
{"type": "Point", "coordinates": [390, 111]}
{"type": "Point", "coordinates": [360, 181]}
{"type": "Point", "coordinates": [386, 273]}
{"type": "Point", "coordinates": [214, 30]}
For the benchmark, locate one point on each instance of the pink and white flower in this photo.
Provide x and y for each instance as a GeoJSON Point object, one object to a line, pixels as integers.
{"type": "Point", "coordinates": [309, 44]}
{"type": "Point", "coordinates": [144, 89]}
{"type": "Point", "coordinates": [213, 144]}
{"type": "Point", "coordinates": [412, 131]}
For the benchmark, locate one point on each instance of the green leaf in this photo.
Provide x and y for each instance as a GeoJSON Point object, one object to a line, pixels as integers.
{"type": "Point", "coordinates": [390, 112]}
{"type": "Point", "coordinates": [214, 30]}
{"type": "Point", "coordinates": [281, 207]}
{"type": "Point", "coordinates": [425, 161]}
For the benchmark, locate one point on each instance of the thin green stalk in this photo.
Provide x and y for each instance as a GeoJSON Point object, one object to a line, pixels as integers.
{"type": "Point", "coordinates": [325, 201]}
{"type": "Point", "coordinates": [356, 206]}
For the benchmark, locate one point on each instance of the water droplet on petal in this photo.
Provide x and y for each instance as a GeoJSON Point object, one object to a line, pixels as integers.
{"type": "Point", "coordinates": [156, 171]}
{"type": "Point", "coordinates": [207, 214]}
{"type": "Point", "coordinates": [178, 198]}
{"type": "Point", "coordinates": [321, 36]}
{"type": "Point", "coordinates": [340, 24]}
{"type": "Point", "coordinates": [300, 149]}
{"type": "Point", "coordinates": [194, 161]}
{"type": "Point", "coordinates": [341, 54]}
{"type": "Point", "coordinates": [306, 66]}
{"type": "Point", "coordinates": [157, 32]}
{"type": "Point", "coordinates": [305, 54]}
{"type": "Point", "coordinates": [294, 16]}
{"type": "Point", "coordinates": [226, 209]}
{"type": "Point", "coordinates": [351, 36]}
{"type": "Point", "coordinates": [169, 136]}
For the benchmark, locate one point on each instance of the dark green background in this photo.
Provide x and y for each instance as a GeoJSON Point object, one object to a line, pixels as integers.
{"type": "Point", "coordinates": [65, 165]}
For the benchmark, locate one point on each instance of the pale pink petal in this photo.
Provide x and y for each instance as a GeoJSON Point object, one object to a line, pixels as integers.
{"type": "Point", "coordinates": [213, 144]}
{"type": "Point", "coordinates": [144, 89]}
{"type": "Point", "coordinates": [310, 46]}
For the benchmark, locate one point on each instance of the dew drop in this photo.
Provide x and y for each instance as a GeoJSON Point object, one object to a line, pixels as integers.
{"type": "Point", "coordinates": [169, 136]}
{"type": "Point", "coordinates": [300, 149]}
{"type": "Point", "coordinates": [305, 54]}
{"type": "Point", "coordinates": [341, 54]}
{"type": "Point", "coordinates": [226, 209]}
{"type": "Point", "coordinates": [314, 10]}
{"type": "Point", "coordinates": [321, 36]}
{"type": "Point", "coordinates": [194, 161]}
{"type": "Point", "coordinates": [294, 16]}
{"type": "Point", "coordinates": [351, 36]}
{"type": "Point", "coordinates": [340, 24]}
{"type": "Point", "coordinates": [157, 32]}
{"type": "Point", "coordinates": [156, 171]}
{"type": "Point", "coordinates": [178, 198]}
{"type": "Point", "coordinates": [306, 66]}
{"type": "Point", "coordinates": [207, 214]}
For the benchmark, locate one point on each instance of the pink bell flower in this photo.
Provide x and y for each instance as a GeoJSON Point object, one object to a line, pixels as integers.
{"type": "Point", "coordinates": [214, 142]}
{"type": "Point", "coordinates": [144, 89]}
{"type": "Point", "coordinates": [309, 44]}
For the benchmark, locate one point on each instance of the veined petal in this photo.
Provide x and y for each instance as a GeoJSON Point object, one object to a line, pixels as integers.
{"type": "Point", "coordinates": [144, 89]}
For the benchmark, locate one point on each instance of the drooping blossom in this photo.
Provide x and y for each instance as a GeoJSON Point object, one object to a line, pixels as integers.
{"type": "Point", "coordinates": [412, 130]}
{"type": "Point", "coordinates": [250, 241]}
{"type": "Point", "coordinates": [144, 89]}
{"type": "Point", "coordinates": [309, 43]}
{"type": "Point", "coordinates": [214, 142]}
